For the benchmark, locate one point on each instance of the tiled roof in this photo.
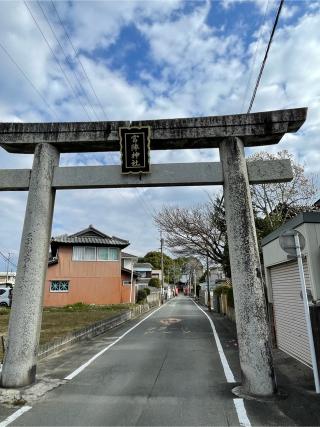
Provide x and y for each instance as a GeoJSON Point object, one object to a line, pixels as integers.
{"type": "Point", "coordinates": [126, 255]}
{"type": "Point", "coordinates": [109, 241]}
{"type": "Point", "coordinates": [143, 265]}
{"type": "Point", "coordinates": [89, 236]}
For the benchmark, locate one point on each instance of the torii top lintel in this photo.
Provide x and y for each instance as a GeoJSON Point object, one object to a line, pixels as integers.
{"type": "Point", "coordinates": [254, 129]}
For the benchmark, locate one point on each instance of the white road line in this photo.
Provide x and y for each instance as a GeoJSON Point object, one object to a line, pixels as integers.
{"type": "Point", "coordinates": [82, 367]}
{"type": "Point", "coordinates": [241, 412]}
{"type": "Point", "coordinates": [227, 370]}
{"type": "Point", "coordinates": [15, 415]}
{"type": "Point", "coordinates": [238, 403]}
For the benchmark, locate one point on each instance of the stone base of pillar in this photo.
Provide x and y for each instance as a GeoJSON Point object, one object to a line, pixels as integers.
{"type": "Point", "coordinates": [241, 392]}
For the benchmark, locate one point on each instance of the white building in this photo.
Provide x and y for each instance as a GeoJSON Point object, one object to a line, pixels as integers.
{"type": "Point", "coordinates": [284, 288]}
{"type": "Point", "coordinates": [10, 278]}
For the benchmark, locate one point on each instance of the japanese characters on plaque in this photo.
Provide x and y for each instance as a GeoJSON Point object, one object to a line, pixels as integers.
{"type": "Point", "coordinates": [135, 149]}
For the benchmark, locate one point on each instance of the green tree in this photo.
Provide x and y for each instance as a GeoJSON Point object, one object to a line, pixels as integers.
{"type": "Point", "coordinates": [154, 283]}
{"type": "Point", "coordinates": [154, 258]}
{"type": "Point", "coordinates": [172, 267]}
{"type": "Point", "coordinates": [141, 296]}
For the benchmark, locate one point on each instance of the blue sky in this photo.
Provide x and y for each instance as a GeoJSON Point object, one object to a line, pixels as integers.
{"type": "Point", "coordinates": [150, 59]}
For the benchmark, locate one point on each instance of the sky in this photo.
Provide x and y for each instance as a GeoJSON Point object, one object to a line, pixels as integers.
{"type": "Point", "coordinates": [132, 60]}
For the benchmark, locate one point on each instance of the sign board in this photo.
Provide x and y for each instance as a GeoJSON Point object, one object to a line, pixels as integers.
{"type": "Point", "coordinates": [135, 149]}
{"type": "Point", "coordinates": [287, 242]}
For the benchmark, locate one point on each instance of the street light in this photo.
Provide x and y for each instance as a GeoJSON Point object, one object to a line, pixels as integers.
{"type": "Point", "coordinates": [208, 284]}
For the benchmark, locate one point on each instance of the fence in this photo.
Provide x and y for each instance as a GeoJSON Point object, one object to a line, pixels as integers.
{"type": "Point", "coordinates": [219, 304]}
{"type": "Point", "coordinates": [92, 330]}
{"type": "Point", "coordinates": [154, 299]}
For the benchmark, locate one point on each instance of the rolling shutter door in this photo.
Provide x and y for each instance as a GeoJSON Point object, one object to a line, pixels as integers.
{"type": "Point", "coordinates": [290, 323]}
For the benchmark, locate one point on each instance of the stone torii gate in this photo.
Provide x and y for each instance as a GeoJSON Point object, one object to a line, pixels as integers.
{"type": "Point", "coordinates": [228, 133]}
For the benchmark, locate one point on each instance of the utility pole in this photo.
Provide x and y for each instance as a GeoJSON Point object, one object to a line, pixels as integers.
{"type": "Point", "coordinates": [174, 278]}
{"type": "Point", "coordinates": [208, 284]}
{"type": "Point", "coordinates": [8, 261]}
{"type": "Point", "coordinates": [195, 283]}
{"type": "Point", "coordinates": [162, 271]}
{"type": "Point", "coordinates": [131, 284]}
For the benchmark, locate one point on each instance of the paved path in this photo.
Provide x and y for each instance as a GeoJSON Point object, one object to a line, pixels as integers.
{"type": "Point", "coordinates": [166, 371]}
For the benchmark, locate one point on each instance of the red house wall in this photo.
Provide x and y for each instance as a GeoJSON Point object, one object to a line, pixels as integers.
{"type": "Point", "coordinates": [90, 282]}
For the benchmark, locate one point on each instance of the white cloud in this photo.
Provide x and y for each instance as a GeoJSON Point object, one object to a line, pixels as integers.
{"type": "Point", "coordinates": [194, 69]}
{"type": "Point", "coordinates": [110, 17]}
{"type": "Point", "coordinates": [261, 5]}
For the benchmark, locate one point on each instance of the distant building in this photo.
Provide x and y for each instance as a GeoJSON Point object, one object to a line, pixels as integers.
{"type": "Point", "coordinates": [128, 260]}
{"type": "Point", "coordinates": [9, 277]}
{"type": "Point", "coordinates": [87, 267]}
{"type": "Point", "coordinates": [144, 271]}
{"type": "Point", "coordinates": [128, 274]}
{"type": "Point", "coordinates": [156, 274]}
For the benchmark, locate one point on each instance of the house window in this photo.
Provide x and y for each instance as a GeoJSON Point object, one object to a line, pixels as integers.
{"type": "Point", "coordinates": [113, 254]}
{"type": "Point", "coordinates": [78, 253]}
{"type": "Point", "coordinates": [102, 254]}
{"type": "Point", "coordinates": [59, 286]}
{"type": "Point", "coordinates": [91, 253]}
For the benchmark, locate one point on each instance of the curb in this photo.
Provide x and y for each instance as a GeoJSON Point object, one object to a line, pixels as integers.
{"type": "Point", "coordinates": [89, 331]}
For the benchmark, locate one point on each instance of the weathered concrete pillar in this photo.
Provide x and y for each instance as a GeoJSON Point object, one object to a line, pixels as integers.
{"type": "Point", "coordinates": [250, 306]}
{"type": "Point", "coordinates": [19, 368]}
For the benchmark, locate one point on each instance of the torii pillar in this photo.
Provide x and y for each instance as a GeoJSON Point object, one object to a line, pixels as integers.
{"type": "Point", "coordinates": [228, 133]}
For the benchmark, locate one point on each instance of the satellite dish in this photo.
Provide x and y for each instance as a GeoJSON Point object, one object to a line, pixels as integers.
{"type": "Point", "coordinates": [287, 242]}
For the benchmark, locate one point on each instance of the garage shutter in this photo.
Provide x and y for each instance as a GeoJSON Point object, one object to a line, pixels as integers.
{"type": "Point", "coordinates": [290, 323]}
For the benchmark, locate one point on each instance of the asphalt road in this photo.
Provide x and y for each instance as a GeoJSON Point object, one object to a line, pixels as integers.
{"type": "Point", "coordinates": [165, 372]}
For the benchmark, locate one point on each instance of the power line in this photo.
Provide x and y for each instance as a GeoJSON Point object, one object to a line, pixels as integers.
{"type": "Point", "coordinates": [74, 72]}
{"type": "Point", "coordinates": [28, 80]}
{"type": "Point", "coordinates": [144, 205]}
{"type": "Point", "coordinates": [7, 259]}
{"type": "Point", "coordinates": [56, 59]}
{"type": "Point", "coordinates": [254, 56]}
{"type": "Point", "coordinates": [78, 59]}
{"type": "Point", "coordinates": [266, 55]}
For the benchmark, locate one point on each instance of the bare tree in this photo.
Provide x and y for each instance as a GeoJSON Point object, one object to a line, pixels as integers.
{"type": "Point", "coordinates": [197, 231]}
{"type": "Point", "coordinates": [277, 202]}
{"type": "Point", "coordinates": [201, 230]}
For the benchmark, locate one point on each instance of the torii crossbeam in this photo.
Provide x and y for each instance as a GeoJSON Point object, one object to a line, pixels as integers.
{"type": "Point", "coordinates": [228, 133]}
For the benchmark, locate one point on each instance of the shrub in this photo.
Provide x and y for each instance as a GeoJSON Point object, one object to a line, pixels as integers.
{"type": "Point", "coordinates": [78, 306]}
{"type": "Point", "coordinates": [221, 289]}
{"type": "Point", "coordinates": [226, 290]}
{"type": "Point", "coordinates": [154, 283]}
{"type": "Point", "coordinates": [147, 291]}
{"type": "Point", "coordinates": [141, 296]}
{"type": "Point", "coordinates": [230, 297]}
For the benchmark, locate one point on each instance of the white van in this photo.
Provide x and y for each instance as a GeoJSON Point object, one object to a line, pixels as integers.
{"type": "Point", "coordinates": [5, 297]}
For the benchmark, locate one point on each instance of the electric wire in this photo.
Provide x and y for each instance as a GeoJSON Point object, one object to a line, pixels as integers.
{"type": "Point", "coordinates": [254, 56]}
{"type": "Point", "coordinates": [143, 204]}
{"type": "Point", "coordinates": [7, 259]}
{"type": "Point", "coordinates": [53, 113]}
{"type": "Point", "coordinates": [57, 60]}
{"type": "Point", "coordinates": [78, 59]}
{"type": "Point", "coordinates": [265, 56]}
{"type": "Point", "coordinates": [74, 72]}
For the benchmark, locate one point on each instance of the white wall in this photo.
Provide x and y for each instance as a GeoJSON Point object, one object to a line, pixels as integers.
{"type": "Point", "coordinates": [273, 255]}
